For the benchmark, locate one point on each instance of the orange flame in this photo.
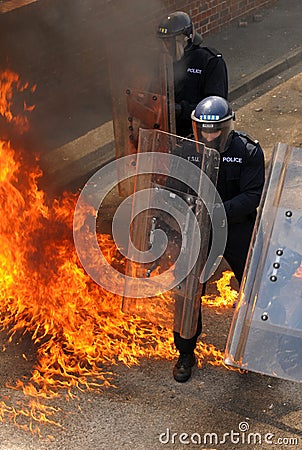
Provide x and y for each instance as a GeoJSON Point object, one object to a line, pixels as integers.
{"type": "Point", "coordinates": [78, 327]}
{"type": "Point", "coordinates": [227, 296]}
{"type": "Point", "coordinates": [9, 83]}
{"type": "Point", "coordinates": [298, 273]}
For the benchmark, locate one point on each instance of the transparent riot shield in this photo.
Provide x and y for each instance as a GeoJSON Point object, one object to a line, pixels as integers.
{"type": "Point", "coordinates": [266, 333]}
{"type": "Point", "coordinates": [142, 91]}
{"type": "Point", "coordinates": [170, 230]}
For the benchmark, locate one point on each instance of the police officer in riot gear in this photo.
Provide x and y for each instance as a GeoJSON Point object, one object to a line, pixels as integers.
{"type": "Point", "coordinates": [240, 183]}
{"type": "Point", "coordinates": [198, 71]}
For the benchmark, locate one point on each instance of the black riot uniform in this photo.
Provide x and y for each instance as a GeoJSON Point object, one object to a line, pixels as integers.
{"type": "Point", "coordinates": [199, 71]}
{"type": "Point", "coordinates": [240, 184]}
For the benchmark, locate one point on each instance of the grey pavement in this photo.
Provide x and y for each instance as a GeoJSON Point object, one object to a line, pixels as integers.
{"type": "Point", "coordinates": [261, 46]}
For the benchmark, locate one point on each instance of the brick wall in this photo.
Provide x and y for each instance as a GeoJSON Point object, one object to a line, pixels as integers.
{"type": "Point", "coordinates": [141, 16]}
{"type": "Point", "coordinates": [211, 15]}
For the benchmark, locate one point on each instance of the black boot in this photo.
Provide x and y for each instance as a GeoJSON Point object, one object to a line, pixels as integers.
{"type": "Point", "coordinates": [183, 368]}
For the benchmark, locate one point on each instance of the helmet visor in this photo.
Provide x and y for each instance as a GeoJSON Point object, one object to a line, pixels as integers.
{"type": "Point", "coordinates": [175, 46]}
{"type": "Point", "coordinates": [213, 135]}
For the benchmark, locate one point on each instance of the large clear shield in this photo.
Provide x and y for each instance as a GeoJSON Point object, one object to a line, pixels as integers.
{"type": "Point", "coordinates": [170, 230]}
{"type": "Point", "coordinates": [142, 90]}
{"type": "Point", "coordinates": [266, 333]}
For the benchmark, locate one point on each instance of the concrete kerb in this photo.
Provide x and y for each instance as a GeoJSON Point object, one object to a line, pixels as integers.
{"type": "Point", "coordinates": [77, 166]}
{"type": "Point", "coordinates": [265, 73]}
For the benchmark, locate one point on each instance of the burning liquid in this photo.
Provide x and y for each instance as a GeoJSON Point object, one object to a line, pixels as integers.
{"type": "Point", "coordinates": [77, 327]}
{"type": "Point", "coordinates": [227, 296]}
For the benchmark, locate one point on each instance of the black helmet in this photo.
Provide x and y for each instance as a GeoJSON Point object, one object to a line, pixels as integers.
{"type": "Point", "coordinates": [211, 115]}
{"type": "Point", "coordinates": [174, 24]}
{"type": "Point", "coordinates": [179, 26]}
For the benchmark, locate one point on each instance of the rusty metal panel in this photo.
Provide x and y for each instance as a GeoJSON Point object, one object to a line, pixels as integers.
{"type": "Point", "coordinates": [142, 91]}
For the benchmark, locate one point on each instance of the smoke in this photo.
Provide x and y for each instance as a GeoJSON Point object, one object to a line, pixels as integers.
{"type": "Point", "coordinates": [130, 31]}
{"type": "Point", "coordinates": [62, 47]}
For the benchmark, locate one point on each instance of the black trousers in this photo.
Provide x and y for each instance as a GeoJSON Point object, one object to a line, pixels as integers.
{"type": "Point", "coordinates": [238, 241]}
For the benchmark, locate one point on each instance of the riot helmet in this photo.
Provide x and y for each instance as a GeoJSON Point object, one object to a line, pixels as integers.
{"type": "Point", "coordinates": [212, 122]}
{"type": "Point", "coordinates": [178, 33]}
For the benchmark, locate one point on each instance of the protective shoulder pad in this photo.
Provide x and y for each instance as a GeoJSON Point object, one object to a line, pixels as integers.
{"type": "Point", "coordinates": [249, 143]}
{"type": "Point", "coordinates": [213, 51]}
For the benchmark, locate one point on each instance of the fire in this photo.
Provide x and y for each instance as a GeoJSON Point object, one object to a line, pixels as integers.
{"type": "Point", "coordinates": [10, 82]}
{"type": "Point", "coordinates": [77, 327]}
{"type": "Point", "coordinates": [298, 273]}
{"type": "Point", "coordinates": [227, 296]}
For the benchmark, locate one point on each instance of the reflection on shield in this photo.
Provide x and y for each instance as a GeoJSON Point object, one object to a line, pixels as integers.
{"type": "Point", "coordinates": [266, 333]}
{"type": "Point", "coordinates": [142, 93]}
{"type": "Point", "coordinates": [170, 230]}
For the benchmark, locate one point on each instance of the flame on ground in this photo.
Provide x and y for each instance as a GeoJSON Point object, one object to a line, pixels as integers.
{"type": "Point", "coordinates": [77, 328]}
{"type": "Point", "coordinates": [298, 273]}
{"type": "Point", "coordinates": [227, 295]}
